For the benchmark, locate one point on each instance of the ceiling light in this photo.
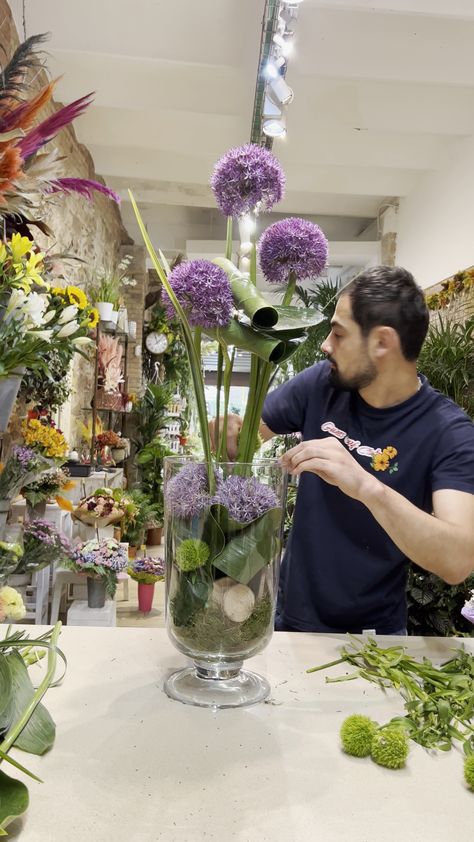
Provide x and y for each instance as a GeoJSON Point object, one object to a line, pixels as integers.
{"type": "Point", "coordinates": [284, 43]}
{"type": "Point", "coordinates": [274, 127]}
{"type": "Point", "coordinates": [270, 109]}
{"type": "Point", "coordinates": [274, 67]}
{"type": "Point", "coordinates": [281, 90]}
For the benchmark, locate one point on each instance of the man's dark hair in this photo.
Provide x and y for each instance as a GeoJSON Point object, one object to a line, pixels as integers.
{"type": "Point", "coordinates": [389, 295]}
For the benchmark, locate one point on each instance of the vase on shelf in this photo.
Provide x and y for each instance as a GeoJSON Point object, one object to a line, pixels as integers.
{"type": "Point", "coordinates": [222, 546]}
{"type": "Point", "coordinates": [9, 388]}
{"type": "Point", "coordinates": [105, 309]}
{"type": "Point", "coordinates": [95, 591]}
{"type": "Point", "coordinates": [38, 510]}
{"type": "Point", "coordinates": [118, 454]}
{"type": "Point", "coordinates": [146, 592]}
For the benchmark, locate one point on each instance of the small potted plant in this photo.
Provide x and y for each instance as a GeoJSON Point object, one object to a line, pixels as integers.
{"type": "Point", "coordinates": [21, 467]}
{"type": "Point", "coordinates": [47, 488]}
{"type": "Point", "coordinates": [147, 572]}
{"type": "Point", "coordinates": [134, 527]}
{"type": "Point", "coordinates": [100, 561]}
{"type": "Point", "coordinates": [106, 287]}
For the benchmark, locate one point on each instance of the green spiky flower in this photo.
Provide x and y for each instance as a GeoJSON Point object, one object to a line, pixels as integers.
{"type": "Point", "coordinates": [356, 734]}
{"type": "Point", "coordinates": [191, 554]}
{"type": "Point", "coordinates": [390, 748]}
{"type": "Point", "coordinates": [469, 771]}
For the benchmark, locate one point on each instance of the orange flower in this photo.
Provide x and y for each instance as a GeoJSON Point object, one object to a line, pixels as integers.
{"type": "Point", "coordinates": [390, 451]}
{"type": "Point", "coordinates": [380, 462]}
{"type": "Point", "coordinates": [64, 504]}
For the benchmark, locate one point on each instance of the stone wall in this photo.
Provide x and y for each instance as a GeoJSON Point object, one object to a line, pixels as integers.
{"type": "Point", "coordinates": [92, 231]}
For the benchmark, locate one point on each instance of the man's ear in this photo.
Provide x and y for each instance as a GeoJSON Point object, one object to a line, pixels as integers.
{"type": "Point", "coordinates": [383, 340]}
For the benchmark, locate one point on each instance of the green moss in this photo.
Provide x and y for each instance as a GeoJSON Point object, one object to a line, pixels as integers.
{"type": "Point", "coordinates": [357, 733]}
{"type": "Point", "coordinates": [211, 630]}
{"type": "Point", "coordinates": [390, 748]}
{"type": "Point", "coordinates": [469, 771]}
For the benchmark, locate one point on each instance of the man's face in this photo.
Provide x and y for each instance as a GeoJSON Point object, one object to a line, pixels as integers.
{"type": "Point", "coordinates": [347, 350]}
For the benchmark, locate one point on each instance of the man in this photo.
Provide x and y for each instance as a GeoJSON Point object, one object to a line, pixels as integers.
{"type": "Point", "coordinates": [386, 466]}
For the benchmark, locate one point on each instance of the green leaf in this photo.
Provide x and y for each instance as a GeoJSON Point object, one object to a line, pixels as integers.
{"type": "Point", "coordinates": [38, 734]}
{"type": "Point", "coordinates": [246, 296]}
{"type": "Point", "coordinates": [246, 338]}
{"type": "Point", "coordinates": [14, 800]}
{"type": "Point", "coordinates": [252, 548]}
{"type": "Point", "coordinates": [5, 685]}
{"type": "Point", "coordinates": [192, 593]}
{"type": "Point", "coordinates": [296, 319]}
{"type": "Point", "coordinates": [423, 597]}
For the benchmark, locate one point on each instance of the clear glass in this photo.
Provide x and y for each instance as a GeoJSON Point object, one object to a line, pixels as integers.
{"type": "Point", "coordinates": [222, 567]}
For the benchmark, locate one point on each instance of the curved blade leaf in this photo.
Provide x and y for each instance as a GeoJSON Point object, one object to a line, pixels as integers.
{"type": "Point", "coordinates": [39, 732]}
{"type": "Point", "coordinates": [251, 548]}
{"type": "Point", "coordinates": [5, 685]}
{"type": "Point", "coordinates": [13, 802]}
{"type": "Point", "coordinates": [247, 339]}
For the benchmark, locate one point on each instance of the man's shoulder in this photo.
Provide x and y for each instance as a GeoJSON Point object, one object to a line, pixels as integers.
{"type": "Point", "coordinates": [315, 375]}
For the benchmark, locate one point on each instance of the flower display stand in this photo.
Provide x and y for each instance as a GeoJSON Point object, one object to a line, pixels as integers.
{"type": "Point", "coordinates": [80, 614]}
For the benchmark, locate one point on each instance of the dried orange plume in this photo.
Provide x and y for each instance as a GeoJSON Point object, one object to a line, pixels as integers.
{"type": "Point", "coordinates": [24, 114]}
{"type": "Point", "coordinates": [10, 167]}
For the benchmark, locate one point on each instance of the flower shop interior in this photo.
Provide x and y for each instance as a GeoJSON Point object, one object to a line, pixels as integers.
{"type": "Point", "coordinates": [184, 193]}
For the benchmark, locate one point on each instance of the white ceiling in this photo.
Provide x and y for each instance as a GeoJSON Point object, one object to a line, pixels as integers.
{"type": "Point", "coordinates": [381, 88]}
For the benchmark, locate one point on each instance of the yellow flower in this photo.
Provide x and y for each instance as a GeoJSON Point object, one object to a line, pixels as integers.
{"type": "Point", "coordinates": [31, 268]}
{"type": "Point", "coordinates": [19, 247]}
{"type": "Point", "coordinates": [390, 451]}
{"type": "Point", "coordinates": [3, 252]}
{"type": "Point", "coordinates": [93, 317]}
{"type": "Point", "coordinates": [380, 462]}
{"type": "Point", "coordinates": [11, 604]}
{"type": "Point", "coordinates": [59, 291]}
{"type": "Point", "coordinates": [77, 296]}
{"type": "Point", "coordinates": [49, 441]}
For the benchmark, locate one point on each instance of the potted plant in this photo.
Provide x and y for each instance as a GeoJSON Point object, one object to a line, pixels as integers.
{"type": "Point", "coordinates": [106, 287]}
{"type": "Point", "coordinates": [47, 488]}
{"type": "Point", "coordinates": [150, 462]}
{"type": "Point", "coordinates": [22, 465]}
{"type": "Point", "coordinates": [134, 526]}
{"type": "Point", "coordinates": [100, 561]}
{"type": "Point", "coordinates": [147, 572]}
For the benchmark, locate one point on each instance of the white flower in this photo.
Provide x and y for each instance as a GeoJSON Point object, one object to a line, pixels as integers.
{"type": "Point", "coordinates": [68, 329]}
{"type": "Point", "coordinates": [68, 314]}
{"type": "Point", "coordinates": [45, 335]}
{"type": "Point", "coordinates": [11, 603]}
{"type": "Point", "coordinates": [34, 308]}
{"type": "Point", "coordinates": [16, 302]}
{"type": "Point", "coordinates": [48, 316]}
{"type": "Point", "coordinates": [82, 341]}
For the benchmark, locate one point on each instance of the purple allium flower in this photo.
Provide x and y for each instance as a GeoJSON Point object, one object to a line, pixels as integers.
{"type": "Point", "coordinates": [468, 610]}
{"type": "Point", "coordinates": [187, 493]}
{"type": "Point", "coordinates": [245, 177]}
{"type": "Point", "coordinates": [245, 498]}
{"type": "Point", "coordinates": [204, 292]}
{"type": "Point", "coordinates": [292, 245]}
{"type": "Point", "coordinates": [24, 456]}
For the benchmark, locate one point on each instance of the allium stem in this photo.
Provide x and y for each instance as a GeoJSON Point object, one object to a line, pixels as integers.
{"type": "Point", "coordinates": [220, 367]}
{"type": "Point", "coordinates": [253, 256]}
{"type": "Point", "coordinates": [290, 290]}
{"type": "Point", "coordinates": [229, 364]}
{"type": "Point", "coordinates": [228, 244]}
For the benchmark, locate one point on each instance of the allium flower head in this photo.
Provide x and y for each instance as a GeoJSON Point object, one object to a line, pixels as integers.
{"type": "Point", "coordinates": [247, 176]}
{"type": "Point", "coordinates": [187, 493]}
{"type": "Point", "coordinates": [245, 498]}
{"type": "Point", "coordinates": [204, 292]}
{"type": "Point", "coordinates": [292, 245]}
{"type": "Point", "coordinates": [468, 610]}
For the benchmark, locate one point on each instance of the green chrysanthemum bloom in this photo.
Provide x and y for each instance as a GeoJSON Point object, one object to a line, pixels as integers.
{"type": "Point", "coordinates": [192, 554]}
{"type": "Point", "coordinates": [356, 734]}
{"type": "Point", "coordinates": [469, 771]}
{"type": "Point", "coordinates": [390, 748]}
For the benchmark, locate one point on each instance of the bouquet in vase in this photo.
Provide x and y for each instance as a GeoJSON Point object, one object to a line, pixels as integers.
{"type": "Point", "coordinates": [147, 570]}
{"type": "Point", "coordinates": [49, 486]}
{"type": "Point", "coordinates": [42, 545]}
{"type": "Point", "coordinates": [224, 518]}
{"type": "Point", "coordinates": [21, 467]}
{"type": "Point", "coordinates": [100, 559]}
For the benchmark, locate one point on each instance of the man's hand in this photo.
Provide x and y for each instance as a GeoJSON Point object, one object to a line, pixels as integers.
{"type": "Point", "coordinates": [329, 459]}
{"type": "Point", "coordinates": [234, 425]}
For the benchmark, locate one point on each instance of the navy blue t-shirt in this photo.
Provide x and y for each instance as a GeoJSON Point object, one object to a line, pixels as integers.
{"type": "Point", "coordinates": [341, 571]}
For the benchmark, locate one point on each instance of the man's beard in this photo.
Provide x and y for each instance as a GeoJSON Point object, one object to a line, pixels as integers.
{"type": "Point", "coordinates": [359, 380]}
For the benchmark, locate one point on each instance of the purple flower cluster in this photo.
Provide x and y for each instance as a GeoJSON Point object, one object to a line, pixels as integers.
{"type": "Point", "coordinates": [25, 456]}
{"type": "Point", "coordinates": [292, 245]}
{"type": "Point", "coordinates": [22, 465]}
{"type": "Point", "coordinates": [245, 498]}
{"type": "Point", "coordinates": [204, 292]}
{"type": "Point", "coordinates": [245, 177]}
{"type": "Point", "coordinates": [106, 553]}
{"type": "Point", "coordinates": [468, 610]}
{"type": "Point", "coordinates": [148, 570]}
{"type": "Point", "coordinates": [43, 545]}
{"type": "Point", "coordinates": [187, 493]}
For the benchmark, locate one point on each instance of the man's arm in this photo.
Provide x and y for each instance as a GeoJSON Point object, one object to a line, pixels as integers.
{"type": "Point", "coordinates": [234, 425]}
{"type": "Point", "coordinates": [443, 544]}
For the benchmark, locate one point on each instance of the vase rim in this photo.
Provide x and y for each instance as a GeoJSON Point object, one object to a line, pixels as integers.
{"type": "Point", "coordinates": [261, 462]}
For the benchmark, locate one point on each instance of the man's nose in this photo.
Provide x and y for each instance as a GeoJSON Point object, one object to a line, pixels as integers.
{"type": "Point", "coordinates": [325, 346]}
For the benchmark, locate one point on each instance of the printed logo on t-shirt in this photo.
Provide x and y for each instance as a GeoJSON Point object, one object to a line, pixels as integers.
{"type": "Point", "coordinates": [381, 460]}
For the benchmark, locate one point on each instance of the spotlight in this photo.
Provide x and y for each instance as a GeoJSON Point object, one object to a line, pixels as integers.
{"type": "Point", "coordinates": [270, 109]}
{"type": "Point", "coordinates": [274, 127]}
{"type": "Point", "coordinates": [284, 43]}
{"type": "Point", "coordinates": [274, 67]}
{"type": "Point", "coordinates": [281, 90]}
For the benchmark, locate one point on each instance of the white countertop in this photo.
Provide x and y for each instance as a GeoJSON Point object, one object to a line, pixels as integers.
{"type": "Point", "coordinates": [130, 765]}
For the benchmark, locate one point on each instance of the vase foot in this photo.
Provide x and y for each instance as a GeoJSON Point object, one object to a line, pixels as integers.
{"type": "Point", "coordinates": [217, 686]}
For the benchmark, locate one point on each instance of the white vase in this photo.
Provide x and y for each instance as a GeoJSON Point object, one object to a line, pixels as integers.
{"type": "Point", "coordinates": [105, 309]}
{"type": "Point", "coordinates": [114, 316]}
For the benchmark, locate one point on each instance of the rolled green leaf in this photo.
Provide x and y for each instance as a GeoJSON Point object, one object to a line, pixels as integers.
{"type": "Point", "coordinates": [247, 297]}
{"type": "Point", "coordinates": [296, 319]}
{"type": "Point", "coordinates": [38, 734]}
{"type": "Point", "coordinates": [247, 339]}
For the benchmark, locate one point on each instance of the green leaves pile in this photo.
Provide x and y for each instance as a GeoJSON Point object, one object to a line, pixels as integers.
{"type": "Point", "coordinates": [438, 700]}
{"type": "Point", "coordinates": [24, 722]}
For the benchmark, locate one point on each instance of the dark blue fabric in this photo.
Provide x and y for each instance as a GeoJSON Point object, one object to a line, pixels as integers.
{"type": "Point", "coordinates": [341, 571]}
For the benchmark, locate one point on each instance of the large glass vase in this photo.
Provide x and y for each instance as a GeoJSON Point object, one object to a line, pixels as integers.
{"type": "Point", "coordinates": [223, 538]}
